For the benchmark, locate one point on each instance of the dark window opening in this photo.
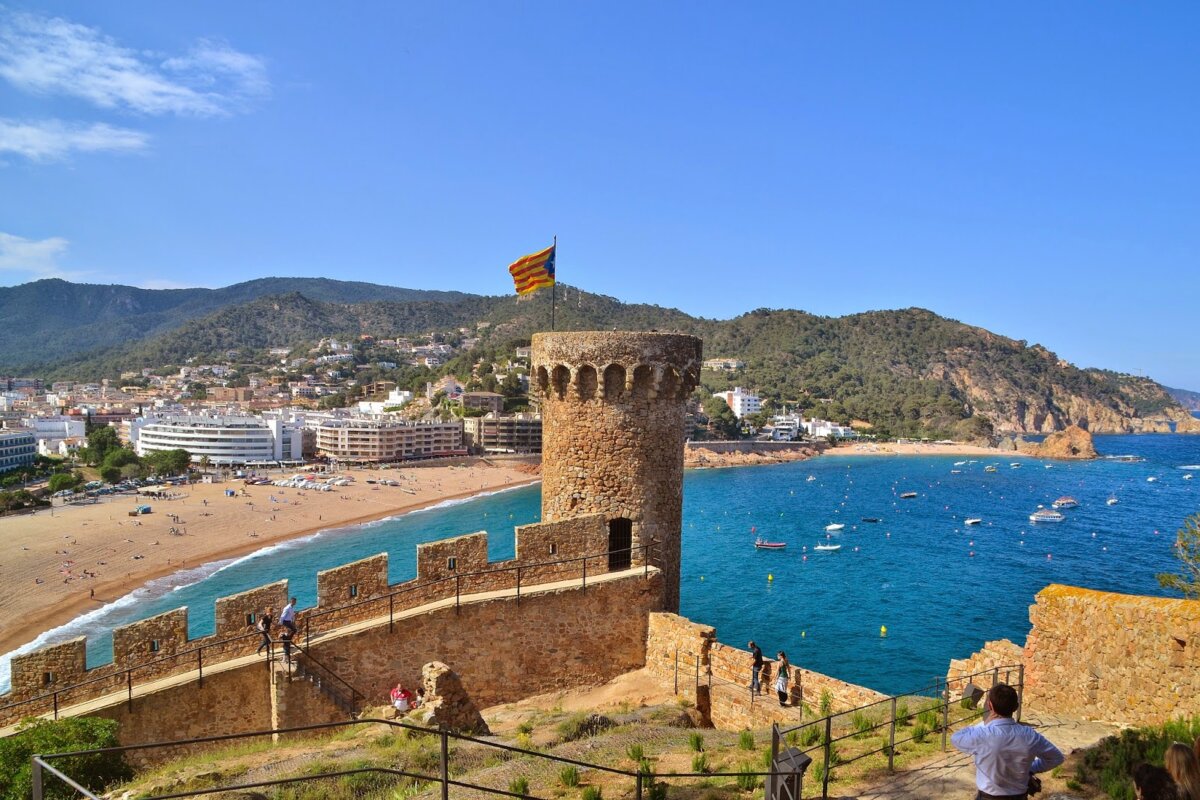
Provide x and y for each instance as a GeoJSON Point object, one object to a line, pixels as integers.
{"type": "Point", "coordinates": [620, 544]}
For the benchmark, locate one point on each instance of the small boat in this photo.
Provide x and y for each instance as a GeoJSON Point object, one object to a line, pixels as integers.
{"type": "Point", "coordinates": [973, 521]}
{"type": "Point", "coordinates": [828, 547]}
{"type": "Point", "coordinates": [1112, 501]}
{"type": "Point", "coordinates": [956, 472]}
{"type": "Point", "coordinates": [907, 495]}
{"type": "Point", "coordinates": [811, 478]}
{"type": "Point", "coordinates": [1066, 501]}
{"type": "Point", "coordinates": [1046, 515]}
{"type": "Point", "coordinates": [1187, 477]}
{"type": "Point", "coordinates": [834, 526]}
{"type": "Point", "coordinates": [959, 463]}
{"type": "Point", "coordinates": [990, 468]}
{"type": "Point", "coordinates": [1151, 479]}
{"type": "Point", "coordinates": [1015, 465]}
{"type": "Point", "coordinates": [871, 519]}
{"type": "Point", "coordinates": [762, 545]}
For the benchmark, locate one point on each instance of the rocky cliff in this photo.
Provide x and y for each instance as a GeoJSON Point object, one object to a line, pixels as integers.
{"type": "Point", "coordinates": [1073, 443]}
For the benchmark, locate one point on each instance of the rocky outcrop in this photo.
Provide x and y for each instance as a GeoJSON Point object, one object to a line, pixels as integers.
{"type": "Point", "coordinates": [1073, 443]}
{"type": "Point", "coordinates": [447, 704]}
{"type": "Point", "coordinates": [744, 454]}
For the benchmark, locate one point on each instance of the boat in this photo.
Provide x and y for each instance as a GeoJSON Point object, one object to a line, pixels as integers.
{"type": "Point", "coordinates": [1015, 465]}
{"type": "Point", "coordinates": [1151, 479]}
{"type": "Point", "coordinates": [959, 463]}
{"type": "Point", "coordinates": [1187, 477]}
{"type": "Point", "coordinates": [1046, 515]}
{"type": "Point", "coordinates": [907, 495]}
{"type": "Point", "coordinates": [990, 468]}
{"type": "Point", "coordinates": [1066, 501]}
{"type": "Point", "coordinates": [1112, 501]}
{"type": "Point", "coordinates": [763, 545]}
{"type": "Point", "coordinates": [972, 521]}
{"type": "Point", "coordinates": [811, 478]}
{"type": "Point", "coordinates": [828, 547]}
{"type": "Point", "coordinates": [871, 519]}
{"type": "Point", "coordinates": [956, 472]}
{"type": "Point", "coordinates": [834, 526]}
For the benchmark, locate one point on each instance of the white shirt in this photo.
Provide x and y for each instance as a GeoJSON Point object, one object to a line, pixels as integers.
{"type": "Point", "coordinates": [1006, 754]}
{"type": "Point", "coordinates": [289, 613]}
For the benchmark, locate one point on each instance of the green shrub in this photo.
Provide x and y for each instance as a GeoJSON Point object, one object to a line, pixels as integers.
{"type": "Point", "coordinates": [826, 704]}
{"type": "Point", "coordinates": [920, 732]}
{"type": "Point", "coordinates": [861, 723]}
{"type": "Point", "coordinates": [524, 741]}
{"type": "Point", "coordinates": [818, 772]}
{"type": "Point", "coordinates": [746, 779]}
{"type": "Point", "coordinates": [811, 735]}
{"type": "Point", "coordinates": [657, 791]}
{"type": "Point", "coordinates": [966, 703]}
{"type": "Point", "coordinates": [928, 718]}
{"type": "Point", "coordinates": [525, 728]}
{"type": "Point", "coordinates": [635, 752]}
{"type": "Point", "coordinates": [645, 767]}
{"type": "Point", "coordinates": [519, 786]}
{"type": "Point", "coordinates": [902, 717]}
{"type": "Point", "coordinates": [700, 763]}
{"type": "Point", "coordinates": [43, 736]}
{"type": "Point", "coordinates": [746, 740]}
{"type": "Point", "coordinates": [792, 738]}
{"type": "Point", "coordinates": [591, 793]}
{"type": "Point", "coordinates": [696, 742]}
{"type": "Point", "coordinates": [569, 776]}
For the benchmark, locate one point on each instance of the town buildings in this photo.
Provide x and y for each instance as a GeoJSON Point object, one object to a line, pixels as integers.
{"type": "Point", "coordinates": [17, 449]}
{"type": "Point", "coordinates": [223, 440]}
{"type": "Point", "coordinates": [741, 402]}
{"type": "Point", "coordinates": [381, 439]}
{"type": "Point", "coordinates": [494, 433]}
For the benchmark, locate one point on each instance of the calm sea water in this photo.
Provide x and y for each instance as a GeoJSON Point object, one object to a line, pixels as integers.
{"type": "Point", "coordinates": [942, 588]}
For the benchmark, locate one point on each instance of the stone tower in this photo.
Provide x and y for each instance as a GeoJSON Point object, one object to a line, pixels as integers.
{"type": "Point", "coordinates": [612, 437]}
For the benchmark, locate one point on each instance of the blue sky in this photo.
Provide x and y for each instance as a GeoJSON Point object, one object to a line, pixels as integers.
{"type": "Point", "coordinates": [1031, 168]}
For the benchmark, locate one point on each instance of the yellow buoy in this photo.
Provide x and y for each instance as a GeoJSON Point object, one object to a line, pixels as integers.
{"type": "Point", "coordinates": [770, 577]}
{"type": "Point", "coordinates": [803, 634]}
{"type": "Point", "coordinates": [883, 630]}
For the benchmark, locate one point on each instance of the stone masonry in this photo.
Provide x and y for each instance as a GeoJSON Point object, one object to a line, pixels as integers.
{"type": "Point", "coordinates": [613, 433]}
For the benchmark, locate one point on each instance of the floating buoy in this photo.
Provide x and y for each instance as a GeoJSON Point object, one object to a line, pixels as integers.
{"type": "Point", "coordinates": [803, 634]}
{"type": "Point", "coordinates": [883, 630]}
{"type": "Point", "coordinates": [804, 558]}
{"type": "Point", "coordinates": [770, 577]}
{"type": "Point", "coordinates": [1049, 557]}
{"type": "Point", "coordinates": [753, 529]}
{"type": "Point", "coordinates": [701, 577]}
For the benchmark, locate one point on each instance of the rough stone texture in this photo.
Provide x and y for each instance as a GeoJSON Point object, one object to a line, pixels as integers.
{"type": "Point", "coordinates": [233, 612]}
{"type": "Point", "coordinates": [1072, 443]}
{"type": "Point", "coordinates": [1113, 657]}
{"type": "Point", "coordinates": [1000, 659]}
{"type": "Point", "coordinates": [613, 432]}
{"type": "Point", "coordinates": [469, 553]}
{"type": "Point", "coordinates": [358, 580]}
{"type": "Point", "coordinates": [447, 704]}
{"type": "Point", "coordinates": [297, 701]}
{"type": "Point", "coordinates": [137, 642]}
{"type": "Point", "coordinates": [63, 664]}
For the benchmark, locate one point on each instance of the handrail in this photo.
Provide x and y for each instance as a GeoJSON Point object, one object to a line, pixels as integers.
{"type": "Point", "coordinates": [355, 694]}
{"type": "Point", "coordinates": [53, 696]}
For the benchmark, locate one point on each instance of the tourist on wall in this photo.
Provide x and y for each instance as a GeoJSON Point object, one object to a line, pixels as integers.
{"type": "Point", "coordinates": [1007, 754]}
{"type": "Point", "coordinates": [287, 617]}
{"type": "Point", "coordinates": [264, 627]}
{"type": "Point", "coordinates": [756, 665]}
{"type": "Point", "coordinates": [782, 675]}
{"type": "Point", "coordinates": [1180, 761]}
{"type": "Point", "coordinates": [1153, 783]}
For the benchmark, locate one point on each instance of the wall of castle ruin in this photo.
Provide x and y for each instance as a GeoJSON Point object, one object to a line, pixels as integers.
{"type": "Point", "coordinates": [1113, 657]}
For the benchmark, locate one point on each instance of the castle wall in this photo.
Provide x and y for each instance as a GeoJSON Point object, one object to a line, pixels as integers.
{"type": "Point", "coordinates": [1113, 657]}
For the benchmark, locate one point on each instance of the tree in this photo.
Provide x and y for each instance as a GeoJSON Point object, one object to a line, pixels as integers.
{"type": "Point", "coordinates": [96, 772]}
{"type": "Point", "coordinates": [62, 481]}
{"type": "Point", "coordinates": [721, 418]}
{"type": "Point", "coordinates": [1187, 550]}
{"type": "Point", "coordinates": [100, 441]}
{"type": "Point", "coordinates": [110, 474]}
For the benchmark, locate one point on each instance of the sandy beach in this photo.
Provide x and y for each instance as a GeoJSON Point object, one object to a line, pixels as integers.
{"type": "Point", "coordinates": [917, 449]}
{"type": "Point", "coordinates": [57, 565]}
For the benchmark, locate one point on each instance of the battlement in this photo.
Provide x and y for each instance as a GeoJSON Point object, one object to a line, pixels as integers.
{"type": "Point", "coordinates": [615, 366]}
{"type": "Point", "coordinates": [159, 646]}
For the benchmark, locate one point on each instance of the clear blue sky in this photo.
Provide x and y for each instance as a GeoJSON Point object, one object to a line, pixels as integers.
{"type": "Point", "coordinates": [1030, 168]}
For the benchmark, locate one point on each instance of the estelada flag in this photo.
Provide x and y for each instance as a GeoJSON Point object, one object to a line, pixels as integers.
{"type": "Point", "coordinates": [533, 271]}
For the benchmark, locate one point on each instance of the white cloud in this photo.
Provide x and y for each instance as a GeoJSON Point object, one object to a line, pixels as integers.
{"type": "Point", "coordinates": [52, 140]}
{"type": "Point", "coordinates": [37, 258]}
{"type": "Point", "coordinates": [164, 283]}
{"type": "Point", "coordinates": [53, 56]}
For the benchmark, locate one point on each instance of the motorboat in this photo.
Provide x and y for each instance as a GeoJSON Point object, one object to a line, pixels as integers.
{"type": "Point", "coordinates": [828, 547]}
{"type": "Point", "coordinates": [871, 519]}
{"type": "Point", "coordinates": [956, 472]}
{"type": "Point", "coordinates": [1046, 515]}
{"type": "Point", "coordinates": [1066, 501]}
{"type": "Point", "coordinates": [1015, 465]}
{"type": "Point", "coordinates": [764, 545]}
{"type": "Point", "coordinates": [959, 463]}
{"type": "Point", "coordinates": [1112, 501]}
{"type": "Point", "coordinates": [1151, 479]}
{"type": "Point", "coordinates": [811, 478]}
{"type": "Point", "coordinates": [990, 468]}
{"type": "Point", "coordinates": [907, 495]}
{"type": "Point", "coordinates": [1187, 477]}
{"type": "Point", "coordinates": [973, 521]}
{"type": "Point", "coordinates": [834, 526]}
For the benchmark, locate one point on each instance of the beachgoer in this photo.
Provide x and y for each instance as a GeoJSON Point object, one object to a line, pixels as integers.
{"type": "Point", "coordinates": [1180, 761]}
{"type": "Point", "coordinates": [782, 675]}
{"type": "Point", "coordinates": [756, 663]}
{"type": "Point", "coordinates": [1153, 783]}
{"type": "Point", "coordinates": [264, 627]}
{"type": "Point", "coordinates": [1007, 754]}
{"type": "Point", "coordinates": [287, 617]}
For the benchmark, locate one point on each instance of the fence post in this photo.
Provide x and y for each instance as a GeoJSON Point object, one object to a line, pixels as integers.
{"type": "Point", "coordinates": [518, 585]}
{"type": "Point", "coordinates": [774, 742]}
{"type": "Point", "coordinates": [995, 675]}
{"type": "Point", "coordinates": [307, 631]}
{"type": "Point", "coordinates": [892, 738]}
{"type": "Point", "coordinates": [56, 706]}
{"type": "Point", "coordinates": [129, 687]}
{"type": "Point", "coordinates": [457, 593]}
{"type": "Point", "coordinates": [637, 791]}
{"type": "Point", "coordinates": [200, 665]}
{"type": "Point", "coordinates": [445, 765]}
{"type": "Point", "coordinates": [945, 716]}
{"type": "Point", "coordinates": [1020, 688]}
{"type": "Point", "coordinates": [391, 613]}
{"type": "Point", "coordinates": [676, 670]}
{"type": "Point", "coordinates": [828, 745]}
{"type": "Point", "coordinates": [584, 572]}
{"type": "Point", "coordinates": [36, 775]}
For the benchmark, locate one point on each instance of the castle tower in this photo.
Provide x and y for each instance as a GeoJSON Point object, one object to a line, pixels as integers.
{"type": "Point", "coordinates": [613, 434]}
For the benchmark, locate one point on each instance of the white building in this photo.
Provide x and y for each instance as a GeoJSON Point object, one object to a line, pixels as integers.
{"type": "Point", "coordinates": [787, 427]}
{"type": "Point", "coordinates": [396, 397]}
{"type": "Point", "coordinates": [823, 428]}
{"type": "Point", "coordinates": [387, 439]}
{"type": "Point", "coordinates": [223, 439]}
{"type": "Point", "coordinates": [49, 432]}
{"type": "Point", "coordinates": [742, 402]}
{"type": "Point", "coordinates": [17, 449]}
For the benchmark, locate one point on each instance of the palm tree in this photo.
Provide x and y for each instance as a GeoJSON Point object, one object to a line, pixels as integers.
{"type": "Point", "coordinates": [204, 462]}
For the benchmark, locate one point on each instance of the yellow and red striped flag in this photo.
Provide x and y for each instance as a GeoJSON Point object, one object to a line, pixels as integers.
{"type": "Point", "coordinates": [534, 271]}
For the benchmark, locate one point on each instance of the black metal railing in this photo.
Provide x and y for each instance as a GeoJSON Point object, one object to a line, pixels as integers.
{"type": "Point", "coordinates": [344, 695]}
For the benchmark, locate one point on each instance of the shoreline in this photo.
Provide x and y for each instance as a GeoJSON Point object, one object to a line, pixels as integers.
{"type": "Point", "coordinates": [921, 449]}
{"type": "Point", "coordinates": [223, 539]}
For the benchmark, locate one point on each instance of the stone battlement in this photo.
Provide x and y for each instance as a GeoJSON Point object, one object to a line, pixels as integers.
{"type": "Point", "coordinates": [159, 646]}
{"type": "Point", "coordinates": [616, 366]}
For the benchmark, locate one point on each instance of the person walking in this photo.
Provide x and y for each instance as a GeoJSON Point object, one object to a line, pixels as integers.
{"type": "Point", "coordinates": [1007, 754]}
{"type": "Point", "coordinates": [1180, 761]}
{"type": "Point", "coordinates": [756, 664]}
{"type": "Point", "coordinates": [264, 627]}
{"type": "Point", "coordinates": [782, 675]}
{"type": "Point", "coordinates": [287, 617]}
{"type": "Point", "coordinates": [285, 639]}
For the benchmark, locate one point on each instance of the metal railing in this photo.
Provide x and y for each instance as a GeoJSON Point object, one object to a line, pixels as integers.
{"type": "Point", "coordinates": [51, 702]}
{"type": "Point", "coordinates": [322, 674]}
{"type": "Point", "coordinates": [642, 781]}
{"type": "Point", "coordinates": [860, 722]}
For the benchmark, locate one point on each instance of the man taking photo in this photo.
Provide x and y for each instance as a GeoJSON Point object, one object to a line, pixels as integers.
{"type": "Point", "coordinates": [1007, 753]}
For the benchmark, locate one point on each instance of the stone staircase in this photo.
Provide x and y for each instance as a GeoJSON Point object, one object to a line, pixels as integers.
{"type": "Point", "coordinates": [306, 668]}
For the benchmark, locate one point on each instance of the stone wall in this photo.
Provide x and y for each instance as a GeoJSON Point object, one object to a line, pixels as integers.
{"type": "Point", "coordinates": [1113, 657]}
{"type": "Point", "coordinates": [159, 636]}
{"type": "Point", "coordinates": [1000, 659]}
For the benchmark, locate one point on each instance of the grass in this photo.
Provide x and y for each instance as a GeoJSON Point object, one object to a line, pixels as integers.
{"type": "Point", "coordinates": [826, 704]}
{"type": "Point", "coordinates": [696, 742]}
{"type": "Point", "coordinates": [569, 776]}
{"type": "Point", "coordinates": [591, 793]}
{"type": "Point", "coordinates": [635, 752]}
{"type": "Point", "coordinates": [700, 763]}
{"type": "Point", "coordinates": [519, 785]}
{"type": "Point", "coordinates": [746, 740]}
{"type": "Point", "coordinates": [746, 779]}
{"type": "Point", "coordinates": [1108, 765]}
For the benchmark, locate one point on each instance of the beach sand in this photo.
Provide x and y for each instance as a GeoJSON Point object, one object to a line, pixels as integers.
{"type": "Point", "coordinates": [56, 566]}
{"type": "Point", "coordinates": [917, 449]}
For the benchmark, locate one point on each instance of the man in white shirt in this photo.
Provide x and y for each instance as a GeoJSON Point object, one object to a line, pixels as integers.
{"type": "Point", "coordinates": [288, 617]}
{"type": "Point", "coordinates": [1006, 752]}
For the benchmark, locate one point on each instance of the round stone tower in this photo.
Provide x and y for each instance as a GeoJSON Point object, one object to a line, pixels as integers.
{"type": "Point", "coordinates": [612, 437]}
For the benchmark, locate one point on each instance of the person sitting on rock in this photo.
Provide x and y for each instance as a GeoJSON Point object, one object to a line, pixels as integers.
{"type": "Point", "coordinates": [402, 699]}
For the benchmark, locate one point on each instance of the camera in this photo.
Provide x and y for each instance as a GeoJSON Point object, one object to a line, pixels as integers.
{"type": "Point", "coordinates": [1035, 785]}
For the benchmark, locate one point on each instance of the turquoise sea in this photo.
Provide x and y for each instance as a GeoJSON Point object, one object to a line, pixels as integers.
{"type": "Point", "coordinates": [941, 588]}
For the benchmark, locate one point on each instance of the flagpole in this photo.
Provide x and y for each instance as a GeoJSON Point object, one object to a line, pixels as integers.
{"type": "Point", "coordinates": [552, 296]}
